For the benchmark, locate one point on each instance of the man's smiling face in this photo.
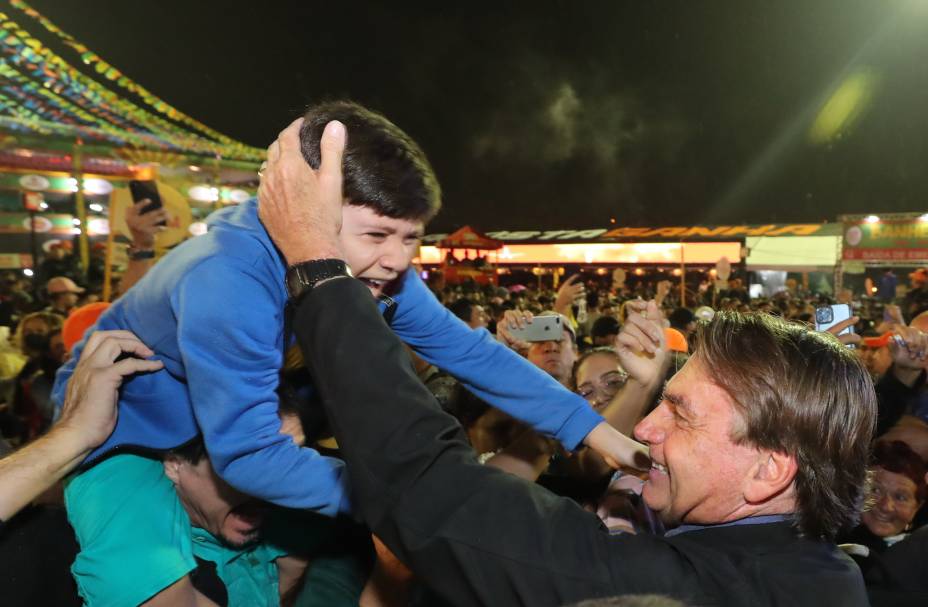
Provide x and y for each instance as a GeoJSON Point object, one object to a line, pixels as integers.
{"type": "Point", "coordinates": [698, 471]}
{"type": "Point", "coordinates": [377, 248]}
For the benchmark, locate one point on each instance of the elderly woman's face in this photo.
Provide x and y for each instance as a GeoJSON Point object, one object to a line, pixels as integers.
{"type": "Point", "coordinates": [894, 503]}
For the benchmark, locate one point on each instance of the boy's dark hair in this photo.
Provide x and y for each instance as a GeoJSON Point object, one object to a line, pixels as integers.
{"type": "Point", "coordinates": [383, 168]}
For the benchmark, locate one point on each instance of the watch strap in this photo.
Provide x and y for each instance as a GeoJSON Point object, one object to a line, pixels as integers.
{"type": "Point", "coordinates": [304, 277]}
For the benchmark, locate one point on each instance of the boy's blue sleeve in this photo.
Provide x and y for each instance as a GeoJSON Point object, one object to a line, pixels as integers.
{"type": "Point", "coordinates": [229, 331]}
{"type": "Point", "coordinates": [491, 370]}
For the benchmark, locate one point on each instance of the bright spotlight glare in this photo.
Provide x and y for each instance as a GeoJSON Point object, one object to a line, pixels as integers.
{"type": "Point", "coordinates": [871, 218]}
{"type": "Point", "coordinates": [96, 208]}
{"type": "Point", "coordinates": [28, 272]}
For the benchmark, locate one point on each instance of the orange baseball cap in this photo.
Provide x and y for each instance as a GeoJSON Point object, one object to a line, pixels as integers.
{"type": "Point", "coordinates": [676, 341]}
{"type": "Point", "coordinates": [878, 342]}
{"type": "Point", "coordinates": [79, 321]}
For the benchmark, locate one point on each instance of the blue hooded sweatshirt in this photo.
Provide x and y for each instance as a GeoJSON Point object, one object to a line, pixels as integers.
{"type": "Point", "coordinates": [213, 311]}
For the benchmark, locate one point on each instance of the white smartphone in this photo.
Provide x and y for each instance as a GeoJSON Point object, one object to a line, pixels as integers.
{"type": "Point", "coordinates": [828, 316]}
{"type": "Point", "coordinates": [542, 328]}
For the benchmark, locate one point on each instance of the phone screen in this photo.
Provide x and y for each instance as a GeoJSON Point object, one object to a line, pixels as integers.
{"type": "Point", "coordinates": [828, 316]}
{"type": "Point", "coordinates": [146, 190]}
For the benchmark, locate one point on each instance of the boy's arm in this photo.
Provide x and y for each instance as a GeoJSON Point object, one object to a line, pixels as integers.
{"type": "Point", "coordinates": [229, 327]}
{"type": "Point", "coordinates": [492, 371]}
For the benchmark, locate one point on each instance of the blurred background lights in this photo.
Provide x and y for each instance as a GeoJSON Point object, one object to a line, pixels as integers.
{"type": "Point", "coordinates": [97, 187]}
{"type": "Point", "coordinates": [845, 105]}
{"type": "Point", "coordinates": [204, 193]}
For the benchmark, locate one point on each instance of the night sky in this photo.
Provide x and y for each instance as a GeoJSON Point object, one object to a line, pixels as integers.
{"type": "Point", "coordinates": [555, 114]}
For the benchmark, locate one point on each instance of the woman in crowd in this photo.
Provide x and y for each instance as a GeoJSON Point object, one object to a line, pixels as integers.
{"type": "Point", "coordinates": [38, 338]}
{"type": "Point", "coordinates": [598, 376]}
{"type": "Point", "coordinates": [898, 491]}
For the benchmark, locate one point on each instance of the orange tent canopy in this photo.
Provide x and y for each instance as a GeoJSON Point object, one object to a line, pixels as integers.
{"type": "Point", "coordinates": [469, 238]}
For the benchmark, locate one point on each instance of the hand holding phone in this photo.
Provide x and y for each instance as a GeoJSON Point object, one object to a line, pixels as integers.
{"type": "Point", "coordinates": [541, 328]}
{"type": "Point", "coordinates": [839, 321]}
{"type": "Point", "coordinates": [146, 190]}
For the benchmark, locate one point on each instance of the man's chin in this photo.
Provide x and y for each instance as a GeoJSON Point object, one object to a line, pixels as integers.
{"type": "Point", "coordinates": [657, 504]}
{"type": "Point", "coordinates": [238, 540]}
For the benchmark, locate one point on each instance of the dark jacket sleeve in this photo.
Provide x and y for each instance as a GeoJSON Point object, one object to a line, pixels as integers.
{"type": "Point", "coordinates": [476, 535]}
{"type": "Point", "coordinates": [893, 399]}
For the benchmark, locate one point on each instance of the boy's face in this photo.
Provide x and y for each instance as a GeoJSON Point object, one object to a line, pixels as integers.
{"type": "Point", "coordinates": [378, 249]}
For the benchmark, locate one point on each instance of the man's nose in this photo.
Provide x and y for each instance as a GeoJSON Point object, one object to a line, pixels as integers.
{"type": "Point", "coordinates": [649, 430]}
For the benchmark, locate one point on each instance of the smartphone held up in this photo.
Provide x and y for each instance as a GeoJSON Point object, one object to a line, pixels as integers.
{"type": "Point", "coordinates": [541, 328]}
{"type": "Point", "coordinates": [146, 190]}
{"type": "Point", "coordinates": [827, 317]}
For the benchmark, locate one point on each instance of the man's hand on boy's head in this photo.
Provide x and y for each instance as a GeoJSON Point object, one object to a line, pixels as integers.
{"type": "Point", "coordinates": [301, 209]}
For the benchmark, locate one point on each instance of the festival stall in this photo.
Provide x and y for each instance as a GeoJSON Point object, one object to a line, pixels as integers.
{"type": "Point", "coordinates": [474, 262]}
{"type": "Point", "coordinates": [875, 244]}
{"type": "Point", "coordinates": [74, 130]}
{"type": "Point", "coordinates": [768, 252]}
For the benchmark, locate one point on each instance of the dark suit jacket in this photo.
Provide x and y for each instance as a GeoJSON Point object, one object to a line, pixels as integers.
{"type": "Point", "coordinates": [478, 536]}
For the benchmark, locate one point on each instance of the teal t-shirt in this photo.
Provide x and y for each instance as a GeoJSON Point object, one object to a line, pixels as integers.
{"type": "Point", "coordinates": [136, 540]}
{"type": "Point", "coordinates": [128, 497]}
{"type": "Point", "coordinates": [134, 533]}
{"type": "Point", "coordinates": [250, 575]}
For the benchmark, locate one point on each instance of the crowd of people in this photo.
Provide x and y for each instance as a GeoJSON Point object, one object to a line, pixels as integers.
{"type": "Point", "coordinates": [282, 412]}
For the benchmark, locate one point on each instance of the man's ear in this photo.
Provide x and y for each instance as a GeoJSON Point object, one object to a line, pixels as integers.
{"type": "Point", "coordinates": [172, 465]}
{"type": "Point", "coordinates": [771, 475]}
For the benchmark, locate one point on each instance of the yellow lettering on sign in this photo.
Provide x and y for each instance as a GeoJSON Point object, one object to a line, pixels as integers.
{"type": "Point", "coordinates": [736, 230]}
{"type": "Point", "coordinates": [626, 232]}
{"type": "Point", "coordinates": [669, 231]}
{"type": "Point", "coordinates": [701, 231]}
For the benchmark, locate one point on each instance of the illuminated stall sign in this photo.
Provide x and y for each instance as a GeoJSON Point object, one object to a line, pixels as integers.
{"type": "Point", "coordinates": [674, 233]}
{"type": "Point", "coordinates": [705, 253]}
{"type": "Point", "coordinates": [893, 239]}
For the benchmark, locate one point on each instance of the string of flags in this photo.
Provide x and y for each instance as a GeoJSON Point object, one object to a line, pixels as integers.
{"type": "Point", "coordinates": [41, 93]}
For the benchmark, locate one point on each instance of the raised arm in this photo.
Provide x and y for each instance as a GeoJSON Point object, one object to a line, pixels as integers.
{"type": "Point", "coordinates": [87, 419]}
{"type": "Point", "coordinates": [492, 371]}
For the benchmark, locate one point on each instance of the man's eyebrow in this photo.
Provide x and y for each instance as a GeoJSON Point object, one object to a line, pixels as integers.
{"type": "Point", "coordinates": [677, 400]}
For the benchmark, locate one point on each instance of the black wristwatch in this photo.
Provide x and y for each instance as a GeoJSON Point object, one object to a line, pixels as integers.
{"type": "Point", "coordinates": [303, 277]}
